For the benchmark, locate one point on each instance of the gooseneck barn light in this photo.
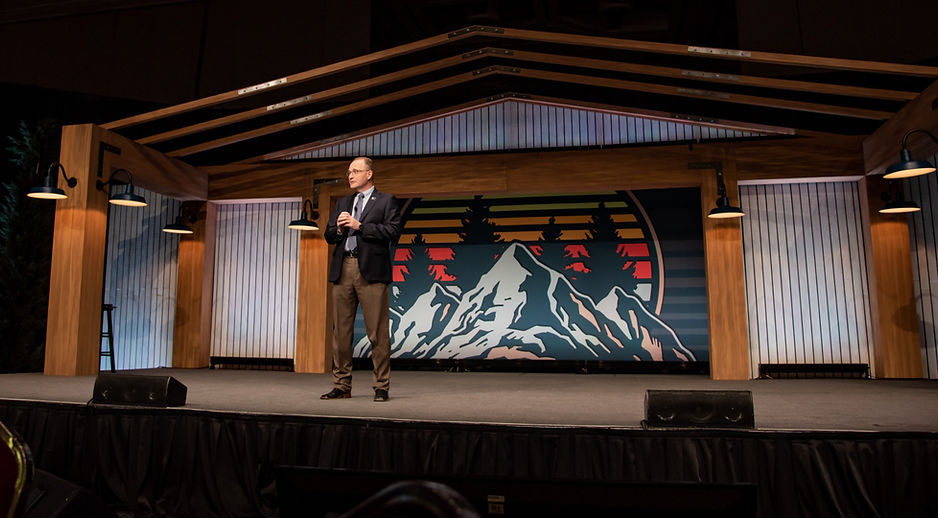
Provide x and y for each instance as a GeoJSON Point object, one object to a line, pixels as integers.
{"type": "Point", "coordinates": [179, 226]}
{"type": "Point", "coordinates": [895, 203]}
{"type": "Point", "coordinates": [307, 219]}
{"type": "Point", "coordinates": [723, 210]}
{"type": "Point", "coordinates": [49, 190]}
{"type": "Point", "coordinates": [126, 198]}
{"type": "Point", "coordinates": [906, 167]}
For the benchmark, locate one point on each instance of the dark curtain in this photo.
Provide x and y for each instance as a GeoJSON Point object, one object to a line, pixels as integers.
{"type": "Point", "coordinates": [175, 462]}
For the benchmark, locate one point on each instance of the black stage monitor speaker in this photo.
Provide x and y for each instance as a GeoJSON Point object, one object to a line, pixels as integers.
{"type": "Point", "coordinates": [134, 389]}
{"type": "Point", "coordinates": [699, 409]}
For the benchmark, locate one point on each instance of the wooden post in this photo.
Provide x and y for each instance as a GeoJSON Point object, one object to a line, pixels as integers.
{"type": "Point", "coordinates": [73, 331]}
{"type": "Point", "coordinates": [726, 295]}
{"type": "Point", "coordinates": [896, 339]}
{"type": "Point", "coordinates": [314, 307]}
{"type": "Point", "coordinates": [192, 333]}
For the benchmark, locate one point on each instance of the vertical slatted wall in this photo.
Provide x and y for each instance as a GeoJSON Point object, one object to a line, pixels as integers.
{"type": "Point", "coordinates": [519, 125]}
{"type": "Point", "coordinates": [255, 290]}
{"type": "Point", "coordinates": [806, 274]}
{"type": "Point", "coordinates": [923, 231]}
{"type": "Point", "coordinates": [140, 279]}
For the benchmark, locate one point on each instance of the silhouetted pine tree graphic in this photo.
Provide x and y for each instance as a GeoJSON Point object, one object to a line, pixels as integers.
{"type": "Point", "coordinates": [419, 240]}
{"type": "Point", "coordinates": [477, 229]}
{"type": "Point", "coordinates": [417, 280]}
{"type": "Point", "coordinates": [626, 274]}
{"type": "Point", "coordinates": [551, 231]}
{"type": "Point", "coordinates": [602, 226]}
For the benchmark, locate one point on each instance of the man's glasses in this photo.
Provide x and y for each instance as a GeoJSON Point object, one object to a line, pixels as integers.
{"type": "Point", "coordinates": [357, 171]}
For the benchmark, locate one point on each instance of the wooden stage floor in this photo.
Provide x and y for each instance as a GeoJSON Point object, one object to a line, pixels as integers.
{"type": "Point", "coordinates": [526, 399]}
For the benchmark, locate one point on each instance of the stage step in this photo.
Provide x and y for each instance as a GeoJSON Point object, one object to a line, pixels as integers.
{"type": "Point", "coordinates": [813, 370]}
{"type": "Point", "coordinates": [235, 362]}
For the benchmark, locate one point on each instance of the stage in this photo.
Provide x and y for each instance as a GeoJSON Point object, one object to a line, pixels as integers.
{"type": "Point", "coordinates": [821, 446]}
{"type": "Point", "coordinates": [528, 399]}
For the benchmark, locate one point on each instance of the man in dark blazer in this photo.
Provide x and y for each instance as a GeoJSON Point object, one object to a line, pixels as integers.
{"type": "Point", "coordinates": [362, 227]}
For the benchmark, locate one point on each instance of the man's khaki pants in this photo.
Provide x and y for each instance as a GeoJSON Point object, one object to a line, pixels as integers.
{"type": "Point", "coordinates": [352, 290]}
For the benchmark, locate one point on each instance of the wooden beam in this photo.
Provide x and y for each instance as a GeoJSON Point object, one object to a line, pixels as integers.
{"type": "Point", "coordinates": [537, 57]}
{"type": "Point", "coordinates": [155, 171]}
{"type": "Point", "coordinates": [192, 328]}
{"type": "Point", "coordinates": [896, 339]}
{"type": "Point", "coordinates": [536, 74]}
{"type": "Point", "coordinates": [881, 149]}
{"type": "Point", "coordinates": [715, 53]}
{"type": "Point", "coordinates": [341, 110]}
{"type": "Point", "coordinates": [302, 77]}
{"type": "Point", "coordinates": [698, 75]}
{"type": "Point", "coordinates": [769, 102]}
{"type": "Point", "coordinates": [534, 36]}
{"type": "Point", "coordinates": [312, 98]}
{"type": "Point", "coordinates": [314, 304]}
{"type": "Point", "coordinates": [726, 294]}
{"type": "Point", "coordinates": [73, 330]}
{"type": "Point", "coordinates": [814, 157]}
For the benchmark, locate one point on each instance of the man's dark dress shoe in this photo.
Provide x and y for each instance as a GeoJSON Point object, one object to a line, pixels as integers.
{"type": "Point", "coordinates": [381, 395]}
{"type": "Point", "coordinates": [336, 394]}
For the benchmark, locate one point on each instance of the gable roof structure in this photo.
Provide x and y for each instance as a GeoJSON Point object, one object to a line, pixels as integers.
{"type": "Point", "coordinates": [410, 82]}
{"type": "Point", "coordinates": [520, 122]}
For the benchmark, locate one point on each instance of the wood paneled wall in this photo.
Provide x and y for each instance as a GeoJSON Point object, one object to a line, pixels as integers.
{"type": "Point", "coordinates": [141, 281]}
{"type": "Point", "coordinates": [516, 124]}
{"type": "Point", "coordinates": [73, 331]}
{"type": "Point", "coordinates": [897, 344]}
{"type": "Point", "coordinates": [192, 336]}
{"type": "Point", "coordinates": [923, 234]}
{"type": "Point", "coordinates": [254, 305]}
{"type": "Point", "coordinates": [806, 274]}
{"type": "Point", "coordinates": [726, 297]}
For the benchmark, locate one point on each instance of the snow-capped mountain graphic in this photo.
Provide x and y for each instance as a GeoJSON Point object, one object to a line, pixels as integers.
{"type": "Point", "coordinates": [522, 308]}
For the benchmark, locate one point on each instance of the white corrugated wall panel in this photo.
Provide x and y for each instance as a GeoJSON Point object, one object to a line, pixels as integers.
{"type": "Point", "coordinates": [923, 234]}
{"type": "Point", "coordinates": [255, 290]}
{"type": "Point", "coordinates": [140, 280]}
{"type": "Point", "coordinates": [515, 124]}
{"type": "Point", "coordinates": [806, 274]}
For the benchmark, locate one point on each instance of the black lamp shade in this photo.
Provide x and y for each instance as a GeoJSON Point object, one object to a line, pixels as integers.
{"type": "Point", "coordinates": [178, 227]}
{"type": "Point", "coordinates": [907, 168]}
{"type": "Point", "coordinates": [47, 192]}
{"type": "Point", "coordinates": [899, 207]}
{"type": "Point", "coordinates": [128, 199]}
{"type": "Point", "coordinates": [303, 224]}
{"type": "Point", "coordinates": [724, 210]}
{"type": "Point", "coordinates": [306, 222]}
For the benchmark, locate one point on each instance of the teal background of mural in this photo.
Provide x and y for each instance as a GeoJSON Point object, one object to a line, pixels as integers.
{"type": "Point", "coordinates": [448, 302]}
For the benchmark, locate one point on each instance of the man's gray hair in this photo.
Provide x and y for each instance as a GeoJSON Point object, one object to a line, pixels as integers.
{"type": "Point", "coordinates": [368, 162]}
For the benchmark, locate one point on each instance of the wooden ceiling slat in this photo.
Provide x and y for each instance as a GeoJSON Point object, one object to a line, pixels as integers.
{"type": "Point", "coordinates": [538, 74]}
{"type": "Point", "coordinates": [716, 53]}
{"type": "Point", "coordinates": [786, 104]}
{"type": "Point", "coordinates": [697, 75]}
{"type": "Point", "coordinates": [536, 57]}
{"type": "Point", "coordinates": [341, 110]}
{"type": "Point", "coordinates": [311, 98]}
{"type": "Point", "coordinates": [332, 68]}
{"type": "Point", "coordinates": [533, 36]}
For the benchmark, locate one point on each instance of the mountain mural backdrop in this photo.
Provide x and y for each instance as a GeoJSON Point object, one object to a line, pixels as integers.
{"type": "Point", "coordinates": [580, 277]}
